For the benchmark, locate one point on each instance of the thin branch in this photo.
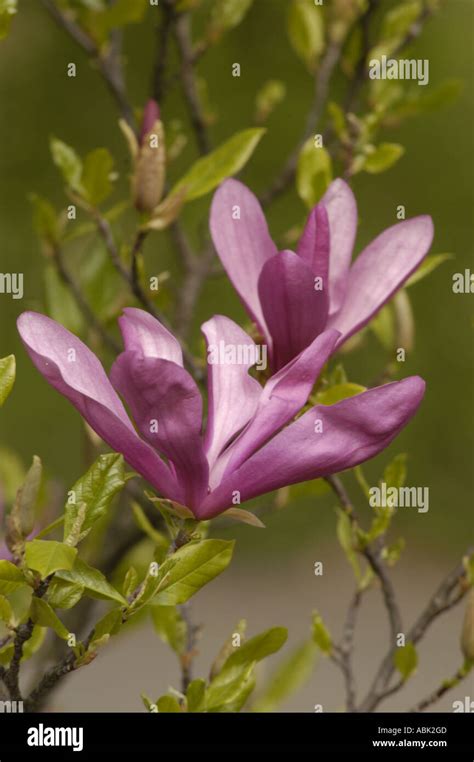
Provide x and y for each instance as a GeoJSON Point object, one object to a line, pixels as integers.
{"type": "Point", "coordinates": [322, 82]}
{"type": "Point", "coordinates": [109, 64]}
{"type": "Point", "coordinates": [82, 303]}
{"type": "Point", "coordinates": [23, 633]}
{"type": "Point", "coordinates": [439, 692]}
{"type": "Point", "coordinates": [182, 34]}
{"type": "Point", "coordinates": [346, 649]}
{"type": "Point", "coordinates": [192, 636]}
{"type": "Point", "coordinates": [163, 35]}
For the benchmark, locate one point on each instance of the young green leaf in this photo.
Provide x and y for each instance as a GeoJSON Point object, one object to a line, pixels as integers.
{"type": "Point", "coordinates": [289, 676]}
{"type": "Point", "coordinates": [190, 568]}
{"type": "Point", "coordinates": [406, 660]}
{"type": "Point", "coordinates": [6, 611]}
{"type": "Point", "coordinates": [225, 161]}
{"type": "Point", "coordinates": [170, 626]}
{"type": "Point", "coordinates": [230, 688]}
{"type": "Point", "coordinates": [93, 581]}
{"type": "Point", "coordinates": [61, 305]}
{"type": "Point", "coordinates": [227, 14]}
{"type": "Point", "coordinates": [306, 31]}
{"type": "Point", "coordinates": [7, 376]}
{"type": "Point", "coordinates": [268, 98]}
{"type": "Point", "coordinates": [167, 704]}
{"type": "Point", "coordinates": [68, 163]}
{"type": "Point", "coordinates": [27, 497]}
{"type": "Point", "coordinates": [41, 613]}
{"type": "Point", "coordinates": [8, 8]}
{"type": "Point", "coordinates": [338, 392]}
{"type": "Point", "coordinates": [429, 264]}
{"type": "Point", "coordinates": [313, 174]}
{"type": "Point", "coordinates": [384, 156]}
{"type": "Point", "coordinates": [321, 635]}
{"type": "Point", "coordinates": [45, 219]}
{"type": "Point", "coordinates": [257, 648]}
{"type": "Point", "coordinates": [196, 696]}
{"type": "Point", "coordinates": [64, 595]}
{"type": "Point", "coordinates": [96, 176]}
{"type": "Point", "coordinates": [345, 535]}
{"type": "Point", "coordinates": [95, 489]}
{"type": "Point", "coordinates": [48, 556]}
{"type": "Point", "coordinates": [396, 472]}
{"type": "Point", "coordinates": [11, 577]}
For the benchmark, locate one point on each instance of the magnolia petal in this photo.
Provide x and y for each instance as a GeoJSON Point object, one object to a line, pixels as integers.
{"type": "Point", "coordinates": [142, 333]}
{"type": "Point", "coordinates": [76, 373]}
{"type": "Point", "coordinates": [232, 394]}
{"type": "Point", "coordinates": [341, 207]}
{"type": "Point", "coordinates": [380, 270]}
{"type": "Point", "coordinates": [323, 441]}
{"type": "Point", "coordinates": [167, 407]}
{"type": "Point", "coordinates": [242, 240]}
{"type": "Point", "coordinates": [295, 312]}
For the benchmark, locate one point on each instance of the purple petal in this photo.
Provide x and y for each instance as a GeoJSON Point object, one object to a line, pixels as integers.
{"type": "Point", "coordinates": [353, 431]}
{"type": "Point", "coordinates": [294, 310]}
{"type": "Point", "coordinates": [151, 114]}
{"type": "Point", "coordinates": [244, 244]}
{"type": "Point", "coordinates": [167, 407]}
{"type": "Point", "coordinates": [341, 207]}
{"type": "Point", "coordinates": [74, 371]}
{"type": "Point", "coordinates": [144, 334]}
{"type": "Point", "coordinates": [283, 396]}
{"type": "Point", "coordinates": [232, 394]}
{"type": "Point", "coordinates": [380, 270]}
{"type": "Point", "coordinates": [314, 244]}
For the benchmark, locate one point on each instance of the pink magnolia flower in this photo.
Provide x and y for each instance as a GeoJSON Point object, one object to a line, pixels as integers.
{"type": "Point", "coordinates": [251, 444]}
{"type": "Point", "coordinates": [293, 297]}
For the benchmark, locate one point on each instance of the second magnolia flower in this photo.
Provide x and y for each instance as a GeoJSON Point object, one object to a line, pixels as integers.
{"type": "Point", "coordinates": [250, 444]}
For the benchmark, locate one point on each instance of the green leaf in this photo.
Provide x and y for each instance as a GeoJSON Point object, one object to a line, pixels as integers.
{"type": "Point", "coordinates": [190, 568]}
{"type": "Point", "coordinates": [398, 21]}
{"type": "Point", "coordinates": [396, 472]}
{"type": "Point", "coordinates": [257, 648]}
{"type": "Point", "coordinates": [64, 595]}
{"type": "Point", "coordinates": [110, 624]}
{"type": "Point", "coordinates": [427, 266]}
{"type": "Point", "coordinates": [383, 326]}
{"type": "Point", "coordinates": [245, 517]}
{"type": "Point", "coordinates": [170, 626]}
{"type": "Point", "coordinates": [6, 611]}
{"type": "Point", "coordinates": [224, 162]}
{"type": "Point", "coordinates": [68, 163]}
{"type": "Point", "coordinates": [313, 174]}
{"type": "Point", "coordinates": [167, 704]}
{"type": "Point", "coordinates": [147, 527]}
{"type": "Point", "coordinates": [406, 660]}
{"type": "Point", "coordinates": [45, 219]}
{"type": "Point", "coordinates": [338, 392]}
{"type": "Point", "coordinates": [98, 166]}
{"type": "Point", "coordinates": [227, 14]}
{"type": "Point", "coordinates": [95, 490]}
{"type": "Point", "coordinates": [48, 556]}
{"type": "Point", "coordinates": [321, 635]}
{"type": "Point", "coordinates": [306, 31]}
{"type": "Point", "coordinates": [122, 13]}
{"type": "Point", "coordinates": [12, 473]}
{"type": "Point", "coordinates": [8, 8]}
{"type": "Point", "coordinates": [7, 376]}
{"type": "Point", "coordinates": [60, 303]}
{"type": "Point", "coordinates": [270, 95]}
{"type": "Point", "coordinates": [94, 582]}
{"type": "Point", "coordinates": [196, 696]}
{"type": "Point", "coordinates": [230, 688]}
{"type": "Point", "coordinates": [27, 497]}
{"type": "Point", "coordinates": [41, 613]}
{"type": "Point", "coordinates": [345, 535]}
{"type": "Point", "coordinates": [147, 590]}
{"type": "Point", "coordinates": [384, 156]}
{"type": "Point", "coordinates": [11, 577]}
{"type": "Point", "coordinates": [294, 671]}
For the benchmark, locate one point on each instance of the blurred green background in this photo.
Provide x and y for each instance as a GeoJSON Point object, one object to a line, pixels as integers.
{"type": "Point", "coordinates": [435, 177]}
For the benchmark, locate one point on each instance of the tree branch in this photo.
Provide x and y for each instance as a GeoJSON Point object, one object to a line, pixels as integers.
{"type": "Point", "coordinates": [322, 82]}
{"type": "Point", "coordinates": [446, 685]}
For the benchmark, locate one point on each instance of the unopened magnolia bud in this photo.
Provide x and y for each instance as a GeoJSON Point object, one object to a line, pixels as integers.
{"type": "Point", "coordinates": [467, 635]}
{"type": "Point", "coordinates": [150, 168]}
